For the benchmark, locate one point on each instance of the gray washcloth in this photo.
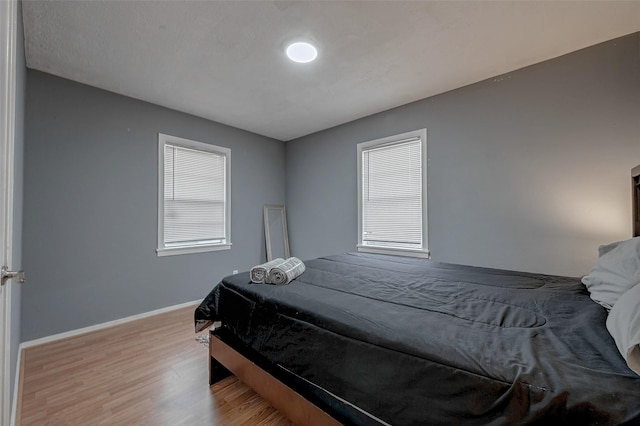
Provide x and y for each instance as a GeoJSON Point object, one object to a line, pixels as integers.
{"type": "Point", "coordinates": [260, 273]}
{"type": "Point", "coordinates": [285, 272]}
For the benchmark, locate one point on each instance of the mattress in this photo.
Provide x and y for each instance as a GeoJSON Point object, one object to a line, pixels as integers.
{"type": "Point", "coordinates": [411, 341]}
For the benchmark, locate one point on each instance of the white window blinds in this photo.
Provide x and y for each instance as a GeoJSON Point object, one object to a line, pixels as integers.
{"type": "Point", "coordinates": [194, 196]}
{"type": "Point", "coordinates": [194, 207]}
{"type": "Point", "coordinates": [392, 198]}
{"type": "Point", "coordinates": [392, 205]}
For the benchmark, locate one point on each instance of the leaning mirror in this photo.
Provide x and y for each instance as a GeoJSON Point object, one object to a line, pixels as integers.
{"type": "Point", "coordinates": [275, 232]}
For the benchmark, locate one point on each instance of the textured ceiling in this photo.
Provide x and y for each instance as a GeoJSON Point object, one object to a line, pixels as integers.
{"type": "Point", "coordinates": [224, 60]}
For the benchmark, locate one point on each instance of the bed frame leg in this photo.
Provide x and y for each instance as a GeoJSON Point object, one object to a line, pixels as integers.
{"type": "Point", "coordinates": [217, 371]}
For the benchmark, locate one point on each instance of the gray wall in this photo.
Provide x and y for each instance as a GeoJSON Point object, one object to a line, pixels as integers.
{"type": "Point", "coordinates": [16, 289]}
{"type": "Point", "coordinates": [527, 171]}
{"type": "Point", "coordinates": [90, 206]}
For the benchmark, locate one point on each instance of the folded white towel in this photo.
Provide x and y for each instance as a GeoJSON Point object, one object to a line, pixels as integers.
{"type": "Point", "coordinates": [623, 324]}
{"type": "Point", "coordinates": [285, 272]}
{"type": "Point", "coordinates": [260, 273]}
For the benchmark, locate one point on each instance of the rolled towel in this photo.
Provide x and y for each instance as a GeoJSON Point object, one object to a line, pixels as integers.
{"type": "Point", "coordinates": [260, 273]}
{"type": "Point", "coordinates": [287, 271]}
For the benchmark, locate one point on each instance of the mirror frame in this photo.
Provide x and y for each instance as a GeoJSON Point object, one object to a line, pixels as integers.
{"type": "Point", "coordinates": [267, 234]}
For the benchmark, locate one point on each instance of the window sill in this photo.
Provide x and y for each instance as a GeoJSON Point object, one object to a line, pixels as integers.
{"type": "Point", "coordinates": [172, 251]}
{"type": "Point", "coordinates": [424, 254]}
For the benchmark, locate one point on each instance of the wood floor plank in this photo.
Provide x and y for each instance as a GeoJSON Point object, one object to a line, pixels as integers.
{"type": "Point", "coordinates": [150, 371]}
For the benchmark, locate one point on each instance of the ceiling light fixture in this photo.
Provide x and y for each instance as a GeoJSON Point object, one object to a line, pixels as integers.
{"type": "Point", "coordinates": [302, 52]}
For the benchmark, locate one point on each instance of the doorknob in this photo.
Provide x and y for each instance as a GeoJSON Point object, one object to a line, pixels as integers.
{"type": "Point", "coordinates": [7, 275]}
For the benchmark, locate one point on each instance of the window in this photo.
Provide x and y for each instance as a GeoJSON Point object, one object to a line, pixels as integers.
{"type": "Point", "coordinates": [193, 196]}
{"type": "Point", "coordinates": [392, 197]}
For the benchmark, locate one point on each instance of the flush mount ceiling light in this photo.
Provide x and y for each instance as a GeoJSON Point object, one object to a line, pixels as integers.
{"type": "Point", "coordinates": [302, 52]}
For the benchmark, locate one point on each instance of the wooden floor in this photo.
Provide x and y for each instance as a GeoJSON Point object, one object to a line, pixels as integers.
{"type": "Point", "coordinates": [146, 372]}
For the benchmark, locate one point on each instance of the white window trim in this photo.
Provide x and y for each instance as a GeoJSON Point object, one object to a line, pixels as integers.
{"type": "Point", "coordinates": [367, 248]}
{"type": "Point", "coordinates": [192, 248]}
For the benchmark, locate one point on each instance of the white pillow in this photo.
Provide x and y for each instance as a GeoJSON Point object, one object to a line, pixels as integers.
{"type": "Point", "coordinates": [623, 324]}
{"type": "Point", "coordinates": [604, 249]}
{"type": "Point", "coordinates": [617, 270]}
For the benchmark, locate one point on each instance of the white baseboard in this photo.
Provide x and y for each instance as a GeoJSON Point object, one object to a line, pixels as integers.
{"type": "Point", "coordinates": [84, 330]}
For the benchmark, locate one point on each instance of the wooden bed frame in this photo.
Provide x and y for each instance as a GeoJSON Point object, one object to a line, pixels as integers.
{"type": "Point", "coordinates": [225, 359]}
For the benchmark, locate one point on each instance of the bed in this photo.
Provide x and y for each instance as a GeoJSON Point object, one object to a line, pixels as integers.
{"type": "Point", "coordinates": [373, 340]}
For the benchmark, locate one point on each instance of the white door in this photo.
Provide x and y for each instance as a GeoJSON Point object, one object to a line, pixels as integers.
{"type": "Point", "coordinates": [8, 21]}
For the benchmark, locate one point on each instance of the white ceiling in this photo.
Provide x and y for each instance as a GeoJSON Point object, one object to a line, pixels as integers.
{"type": "Point", "coordinates": [224, 61]}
